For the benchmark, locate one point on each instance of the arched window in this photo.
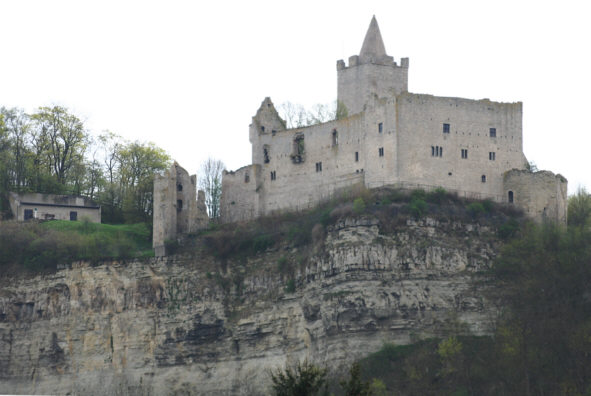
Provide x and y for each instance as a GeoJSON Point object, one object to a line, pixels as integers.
{"type": "Point", "coordinates": [335, 138]}
{"type": "Point", "coordinates": [179, 187]}
{"type": "Point", "coordinates": [510, 196]}
{"type": "Point", "coordinates": [483, 178]}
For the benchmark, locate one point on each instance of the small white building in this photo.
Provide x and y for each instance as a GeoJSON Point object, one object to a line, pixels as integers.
{"type": "Point", "coordinates": [28, 206]}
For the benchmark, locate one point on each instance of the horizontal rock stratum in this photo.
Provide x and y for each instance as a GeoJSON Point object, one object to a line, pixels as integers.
{"type": "Point", "coordinates": [190, 324]}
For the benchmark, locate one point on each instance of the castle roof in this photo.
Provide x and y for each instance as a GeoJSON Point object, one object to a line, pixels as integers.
{"type": "Point", "coordinates": [373, 45]}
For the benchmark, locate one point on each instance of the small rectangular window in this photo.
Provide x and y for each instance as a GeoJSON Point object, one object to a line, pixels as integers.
{"type": "Point", "coordinates": [318, 166]}
{"type": "Point", "coordinates": [491, 155]}
{"type": "Point", "coordinates": [493, 132]}
{"type": "Point", "coordinates": [273, 132]}
{"type": "Point", "coordinates": [483, 178]}
{"type": "Point", "coordinates": [380, 127]}
{"type": "Point", "coordinates": [273, 175]}
{"type": "Point", "coordinates": [381, 151]}
{"type": "Point", "coordinates": [356, 156]}
{"type": "Point", "coordinates": [262, 129]}
{"type": "Point", "coordinates": [73, 216]}
{"type": "Point", "coordinates": [445, 128]}
{"type": "Point", "coordinates": [28, 214]}
{"type": "Point", "coordinates": [246, 177]}
{"type": "Point", "coordinates": [464, 153]}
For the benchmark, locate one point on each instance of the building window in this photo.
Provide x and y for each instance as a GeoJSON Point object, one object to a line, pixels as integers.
{"type": "Point", "coordinates": [483, 178]}
{"type": "Point", "coordinates": [445, 128]}
{"type": "Point", "coordinates": [73, 216]}
{"type": "Point", "coordinates": [318, 166]}
{"type": "Point", "coordinates": [273, 132]}
{"type": "Point", "coordinates": [262, 129]}
{"type": "Point", "coordinates": [273, 175]}
{"type": "Point", "coordinates": [381, 151]}
{"type": "Point", "coordinates": [179, 205]}
{"type": "Point", "coordinates": [266, 157]}
{"type": "Point", "coordinates": [179, 187]}
{"type": "Point", "coordinates": [436, 151]}
{"type": "Point", "coordinates": [246, 177]}
{"type": "Point", "coordinates": [28, 214]}
{"type": "Point", "coordinates": [298, 149]}
{"type": "Point", "coordinates": [335, 138]}
{"type": "Point", "coordinates": [356, 156]}
{"type": "Point", "coordinates": [465, 153]}
{"type": "Point", "coordinates": [381, 127]}
{"type": "Point", "coordinates": [510, 196]}
{"type": "Point", "coordinates": [493, 132]}
{"type": "Point", "coordinates": [491, 155]}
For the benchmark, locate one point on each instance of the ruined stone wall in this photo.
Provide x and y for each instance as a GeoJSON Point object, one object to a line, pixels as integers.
{"type": "Point", "coordinates": [420, 121]}
{"type": "Point", "coordinates": [542, 195]}
{"type": "Point", "coordinates": [240, 194]}
{"type": "Point", "coordinates": [164, 216]}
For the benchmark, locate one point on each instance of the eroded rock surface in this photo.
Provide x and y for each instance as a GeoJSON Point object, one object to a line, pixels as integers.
{"type": "Point", "coordinates": [182, 325]}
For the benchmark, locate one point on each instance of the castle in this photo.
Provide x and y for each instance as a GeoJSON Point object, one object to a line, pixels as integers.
{"type": "Point", "coordinates": [390, 137]}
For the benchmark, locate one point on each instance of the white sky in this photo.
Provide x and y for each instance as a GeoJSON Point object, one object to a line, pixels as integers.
{"type": "Point", "coordinates": [189, 75]}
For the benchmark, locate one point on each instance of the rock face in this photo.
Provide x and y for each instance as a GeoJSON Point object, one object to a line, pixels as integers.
{"type": "Point", "coordinates": [188, 325]}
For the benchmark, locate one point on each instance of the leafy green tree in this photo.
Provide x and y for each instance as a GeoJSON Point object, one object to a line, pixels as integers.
{"type": "Point", "coordinates": [355, 386]}
{"type": "Point", "coordinates": [579, 208]}
{"type": "Point", "coordinates": [305, 379]}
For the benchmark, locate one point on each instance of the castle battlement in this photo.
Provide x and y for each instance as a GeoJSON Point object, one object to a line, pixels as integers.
{"type": "Point", "coordinates": [391, 137]}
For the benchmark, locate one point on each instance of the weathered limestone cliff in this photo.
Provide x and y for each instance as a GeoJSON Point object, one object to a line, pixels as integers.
{"type": "Point", "coordinates": [184, 325]}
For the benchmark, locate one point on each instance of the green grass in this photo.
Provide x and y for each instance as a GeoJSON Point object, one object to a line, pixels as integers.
{"type": "Point", "coordinates": [42, 246]}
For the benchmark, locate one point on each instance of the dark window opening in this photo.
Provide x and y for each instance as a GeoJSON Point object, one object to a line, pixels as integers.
{"type": "Point", "coordinates": [510, 196]}
{"type": "Point", "coordinates": [464, 153]}
{"type": "Point", "coordinates": [436, 151]}
{"type": "Point", "coordinates": [491, 155]}
{"type": "Point", "coordinates": [298, 150]}
{"type": "Point", "coordinates": [273, 175]}
{"type": "Point", "coordinates": [179, 187]}
{"type": "Point", "coordinates": [381, 127]}
{"type": "Point", "coordinates": [335, 138]}
{"type": "Point", "coordinates": [28, 214]}
{"type": "Point", "coordinates": [381, 151]}
{"type": "Point", "coordinates": [262, 129]}
{"type": "Point", "coordinates": [493, 132]}
{"type": "Point", "coordinates": [179, 205]}
{"type": "Point", "coordinates": [318, 166]}
{"type": "Point", "coordinates": [73, 216]}
{"type": "Point", "coordinates": [483, 178]}
{"type": "Point", "coordinates": [246, 177]}
{"type": "Point", "coordinates": [449, 173]}
{"type": "Point", "coordinates": [266, 156]}
{"type": "Point", "coordinates": [356, 156]}
{"type": "Point", "coordinates": [445, 128]}
{"type": "Point", "coordinates": [273, 132]}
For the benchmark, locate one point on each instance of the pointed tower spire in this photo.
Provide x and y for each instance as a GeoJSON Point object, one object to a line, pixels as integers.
{"type": "Point", "coordinates": [373, 45]}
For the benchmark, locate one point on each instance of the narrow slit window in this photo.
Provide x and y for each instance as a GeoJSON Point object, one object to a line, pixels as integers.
{"type": "Point", "coordinates": [381, 151]}
{"type": "Point", "coordinates": [266, 155]}
{"type": "Point", "coordinates": [335, 138]}
{"type": "Point", "coordinates": [246, 177]}
{"type": "Point", "coordinates": [464, 153]}
{"type": "Point", "coordinates": [273, 175]}
{"type": "Point", "coordinates": [381, 127]}
{"type": "Point", "coordinates": [318, 166]}
{"type": "Point", "coordinates": [510, 196]}
{"type": "Point", "coordinates": [356, 156]}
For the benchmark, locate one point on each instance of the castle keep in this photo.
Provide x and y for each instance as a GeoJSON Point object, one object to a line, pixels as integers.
{"type": "Point", "coordinates": [390, 137]}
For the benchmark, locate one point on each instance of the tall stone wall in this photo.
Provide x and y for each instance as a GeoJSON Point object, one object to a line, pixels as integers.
{"type": "Point", "coordinates": [421, 127]}
{"type": "Point", "coordinates": [542, 195]}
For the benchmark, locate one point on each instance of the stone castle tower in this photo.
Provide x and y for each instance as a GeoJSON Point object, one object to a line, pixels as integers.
{"type": "Point", "coordinates": [390, 137]}
{"type": "Point", "coordinates": [177, 210]}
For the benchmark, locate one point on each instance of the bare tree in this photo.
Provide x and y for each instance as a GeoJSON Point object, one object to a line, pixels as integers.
{"type": "Point", "coordinates": [210, 181]}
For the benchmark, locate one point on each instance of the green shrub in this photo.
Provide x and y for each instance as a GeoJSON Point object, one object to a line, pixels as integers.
{"type": "Point", "coordinates": [418, 194]}
{"type": "Point", "coordinates": [359, 205]}
{"type": "Point", "coordinates": [488, 205]}
{"type": "Point", "coordinates": [437, 196]}
{"type": "Point", "coordinates": [508, 229]}
{"type": "Point", "coordinates": [417, 208]}
{"type": "Point", "coordinates": [290, 287]}
{"type": "Point", "coordinates": [475, 209]}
